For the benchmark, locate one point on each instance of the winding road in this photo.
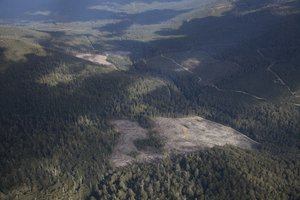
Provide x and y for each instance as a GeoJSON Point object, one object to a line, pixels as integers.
{"type": "Point", "coordinates": [213, 86]}
{"type": "Point", "coordinates": [269, 69]}
{"type": "Point", "coordinates": [238, 91]}
{"type": "Point", "coordinates": [91, 44]}
{"type": "Point", "coordinates": [176, 63]}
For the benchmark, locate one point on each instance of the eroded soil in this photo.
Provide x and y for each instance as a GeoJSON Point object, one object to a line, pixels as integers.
{"type": "Point", "coordinates": [180, 135]}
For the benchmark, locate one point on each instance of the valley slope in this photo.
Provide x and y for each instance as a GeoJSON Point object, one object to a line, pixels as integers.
{"type": "Point", "coordinates": [233, 63]}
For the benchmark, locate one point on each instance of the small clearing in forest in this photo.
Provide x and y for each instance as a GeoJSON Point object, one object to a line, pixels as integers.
{"type": "Point", "coordinates": [179, 135]}
{"type": "Point", "coordinates": [96, 58]}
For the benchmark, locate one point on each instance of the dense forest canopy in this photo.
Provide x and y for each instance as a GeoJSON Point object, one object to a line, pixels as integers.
{"type": "Point", "coordinates": [68, 70]}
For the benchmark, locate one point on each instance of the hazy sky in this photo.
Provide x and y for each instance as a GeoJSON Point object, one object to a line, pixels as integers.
{"type": "Point", "coordinates": [65, 10]}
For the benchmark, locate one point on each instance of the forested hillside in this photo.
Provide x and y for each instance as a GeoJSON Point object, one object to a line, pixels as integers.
{"type": "Point", "coordinates": [220, 173]}
{"type": "Point", "coordinates": [233, 62]}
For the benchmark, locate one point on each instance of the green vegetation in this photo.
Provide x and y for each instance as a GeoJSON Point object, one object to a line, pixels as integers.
{"type": "Point", "coordinates": [153, 143]}
{"type": "Point", "coordinates": [55, 109]}
{"type": "Point", "coordinates": [219, 173]}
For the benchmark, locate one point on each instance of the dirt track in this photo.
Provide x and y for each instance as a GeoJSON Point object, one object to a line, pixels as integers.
{"type": "Point", "coordinates": [181, 135]}
{"type": "Point", "coordinates": [269, 69]}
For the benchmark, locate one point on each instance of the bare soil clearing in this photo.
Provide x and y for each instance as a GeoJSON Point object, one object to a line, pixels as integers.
{"type": "Point", "coordinates": [96, 58]}
{"type": "Point", "coordinates": [125, 151]}
{"type": "Point", "coordinates": [181, 135]}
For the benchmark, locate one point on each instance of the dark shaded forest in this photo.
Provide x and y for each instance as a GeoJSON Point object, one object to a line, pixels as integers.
{"type": "Point", "coordinates": [56, 110]}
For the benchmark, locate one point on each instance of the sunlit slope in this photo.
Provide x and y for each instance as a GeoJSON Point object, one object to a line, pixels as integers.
{"type": "Point", "coordinates": [54, 111]}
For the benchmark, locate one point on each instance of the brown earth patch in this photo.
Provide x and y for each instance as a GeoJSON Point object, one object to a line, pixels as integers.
{"type": "Point", "coordinates": [180, 135]}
